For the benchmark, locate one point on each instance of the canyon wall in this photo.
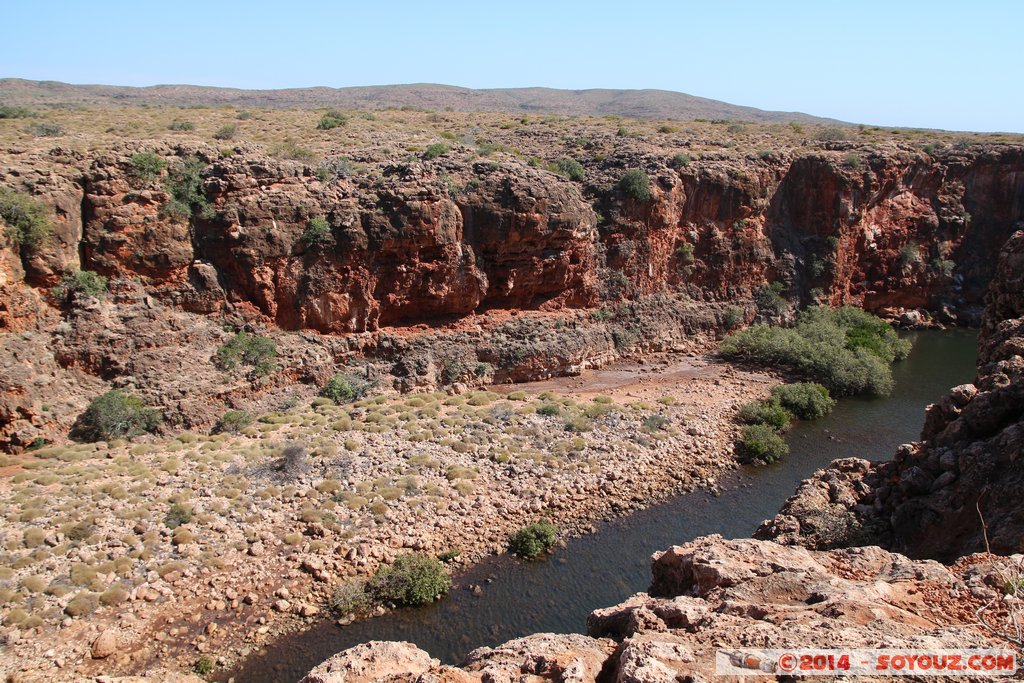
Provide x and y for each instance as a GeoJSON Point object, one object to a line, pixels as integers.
{"type": "Point", "coordinates": [957, 491]}
{"type": "Point", "coordinates": [953, 494]}
{"type": "Point", "coordinates": [415, 249]}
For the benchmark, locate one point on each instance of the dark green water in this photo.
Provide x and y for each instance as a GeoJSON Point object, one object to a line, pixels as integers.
{"type": "Point", "coordinates": [605, 567]}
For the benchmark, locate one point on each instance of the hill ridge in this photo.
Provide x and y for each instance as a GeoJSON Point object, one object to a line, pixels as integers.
{"type": "Point", "coordinates": [646, 103]}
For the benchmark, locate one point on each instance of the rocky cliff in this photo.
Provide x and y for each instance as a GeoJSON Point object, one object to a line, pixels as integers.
{"type": "Point", "coordinates": [713, 594]}
{"type": "Point", "coordinates": [956, 491]}
{"type": "Point", "coordinates": [404, 247]}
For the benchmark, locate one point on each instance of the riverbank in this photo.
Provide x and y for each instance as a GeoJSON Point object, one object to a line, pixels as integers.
{"type": "Point", "coordinates": [260, 542]}
{"type": "Point", "coordinates": [501, 598]}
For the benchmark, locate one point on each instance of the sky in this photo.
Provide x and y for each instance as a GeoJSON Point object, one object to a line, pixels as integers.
{"type": "Point", "coordinates": [938, 64]}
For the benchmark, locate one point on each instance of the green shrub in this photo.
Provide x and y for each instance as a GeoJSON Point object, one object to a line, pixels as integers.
{"type": "Point", "coordinates": [769, 299]}
{"type": "Point", "coordinates": [486, 149]}
{"type": "Point", "coordinates": [116, 414]}
{"type": "Point", "coordinates": [147, 165]}
{"type": "Point", "coordinates": [349, 598]}
{"type": "Point", "coordinates": [317, 231]}
{"type": "Point", "coordinates": [578, 424]}
{"type": "Point", "coordinates": [438, 149]}
{"type": "Point", "coordinates": [332, 169]}
{"type": "Point", "coordinates": [910, 254]}
{"type": "Point", "coordinates": [762, 444]}
{"type": "Point", "coordinates": [411, 580]}
{"type": "Point", "coordinates": [226, 132]}
{"type": "Point", "coordinates": [344, 389]}
{"type": "Point", "coordinates": [768, 412]}
{"type": "Point", "coordinates": [832, 134]}
{"type": "Point", "coordinates": [9, 112]}
{"type": "Point", "coordinates": [332, 119]}
{"type": "Point", "coordinates": [845, 349]}
{"type": "Point", "coordinates": [635, 183]}
{"type": "Point", "coordinates": [85, 282]}
{"type": "Point", "coordinates": [655, 423]}
{"type": "Point", "coordinates": [680, 161]}
{"type": "Point", "coordinates": [179, 125]}
{"type": "Point", "coordinates": [45, 129]}
{"type": "Point", "coordinates": [533, 540]}
{"type": "Point", "coordinates": [943, 267]}
{"type": "Point", "coordinates": [248, 349]}
{"type": "Point", "coordinates": [82, 604]}
{"type": "Point", "coordinates": [177, 515]}
{"type": "Point", "coordinates": [204, 666]}
{"type": "Point", "coordinates": [570, 168]}
{"type": "Point", "coordinates": [234, 421]}
{"type": "Point", "coordinates": [685, 252]}
{"type": "Point", "coordinates": [806, 400]}
{"type": "Point", "coordinates": [28, 221]}
{"type": "Point", "coordinates": [732, 317]}
{"type": "Point", "coordinates": [290, 149]}
{"type": "Point", "coordinates": [549, 409]}
{"type": "Point", "coordinates": [187, 189]}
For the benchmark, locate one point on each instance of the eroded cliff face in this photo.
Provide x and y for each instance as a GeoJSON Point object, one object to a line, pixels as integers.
{"type": "Point", "coordinates": [424, 241]}
{"type": "Point", "coordinates": [437, 242]}
{"type": "Point", "coordinates": [956, 491]}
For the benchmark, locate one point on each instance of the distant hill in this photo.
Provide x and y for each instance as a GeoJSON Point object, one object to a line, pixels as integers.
{"type": "Point", "coordinates": [643, 104]}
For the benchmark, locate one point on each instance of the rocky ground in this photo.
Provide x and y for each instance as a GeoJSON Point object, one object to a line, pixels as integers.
{"type": "Point", "coordinates": [213, 545]}
{"type": "Point", "coordinates": [712, 594]}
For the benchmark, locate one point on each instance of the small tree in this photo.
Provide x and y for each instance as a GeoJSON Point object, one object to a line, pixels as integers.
{"type": "Point", "coordinates": [344, 389]}
{"type": "Point", "coordinates": [762, 444]}
{"type": "Point", "coordinates": [635, 183]}
{"type": "Point", "coordinates": [768, 412]}
{"type": "Point", "coordinates": [533, 540]}
{"type": "Point", "coordinates": [438, 149]}
{"type": "Point", "coordinates": [248, 349]}
{"type": "Point", "coordinates": [412, 580]}
{"type": "Point", "coordinates": [680, 161]}
{"type": "Point", "coordinates": [28, 220]}
{"type": "Point", "coordinates": [116, 414]}
{"type": "Point", "coordinates": [234, 421]}
{"type": "Point", "coordinates": [147, 165]}
{"type": "Point", "coordinates": [570, 168]}
{"type": "Point", "coordinates": [317, 231]}
{"type": "Point", "coordinates": [332, 119]}
{"type": "Point", "coordinates": [226, 132]}
{"type": "Point", "coordinates": [85, 282]}
{"type": "Point", "coordinates": [806, 400]}
{"type": "Point", "coordinates": [186, 185]}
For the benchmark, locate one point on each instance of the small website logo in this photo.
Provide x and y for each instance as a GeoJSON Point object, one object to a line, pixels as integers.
{"type": "Point", "coordinates": [863, 662]}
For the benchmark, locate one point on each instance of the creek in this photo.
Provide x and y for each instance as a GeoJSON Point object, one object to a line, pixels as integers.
{"type": "Point", "coordinates": [601, 569]}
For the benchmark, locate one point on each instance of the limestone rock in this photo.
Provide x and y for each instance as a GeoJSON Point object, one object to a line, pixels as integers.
{"type": "Point", "coordinates": [106, 644]}
{"type": "Point", "coordinates": [373, 661]}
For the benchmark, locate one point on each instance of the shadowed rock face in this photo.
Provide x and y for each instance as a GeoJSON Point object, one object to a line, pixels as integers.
{"type": "Point", "coordinates": [715, 593]}
{"type": "Point", "coordinates": [962, 482]}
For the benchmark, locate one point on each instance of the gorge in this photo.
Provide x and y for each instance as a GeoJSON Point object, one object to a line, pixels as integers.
{"type": "Point", "coordinates": [438, 256]}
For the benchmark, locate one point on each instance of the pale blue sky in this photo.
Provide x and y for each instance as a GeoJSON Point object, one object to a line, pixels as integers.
{"type": "Point", "coordinates": [953, 65]}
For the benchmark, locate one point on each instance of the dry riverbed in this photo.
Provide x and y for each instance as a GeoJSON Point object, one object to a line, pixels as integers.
{"type": "Point", "coordinates": [213, 545]}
